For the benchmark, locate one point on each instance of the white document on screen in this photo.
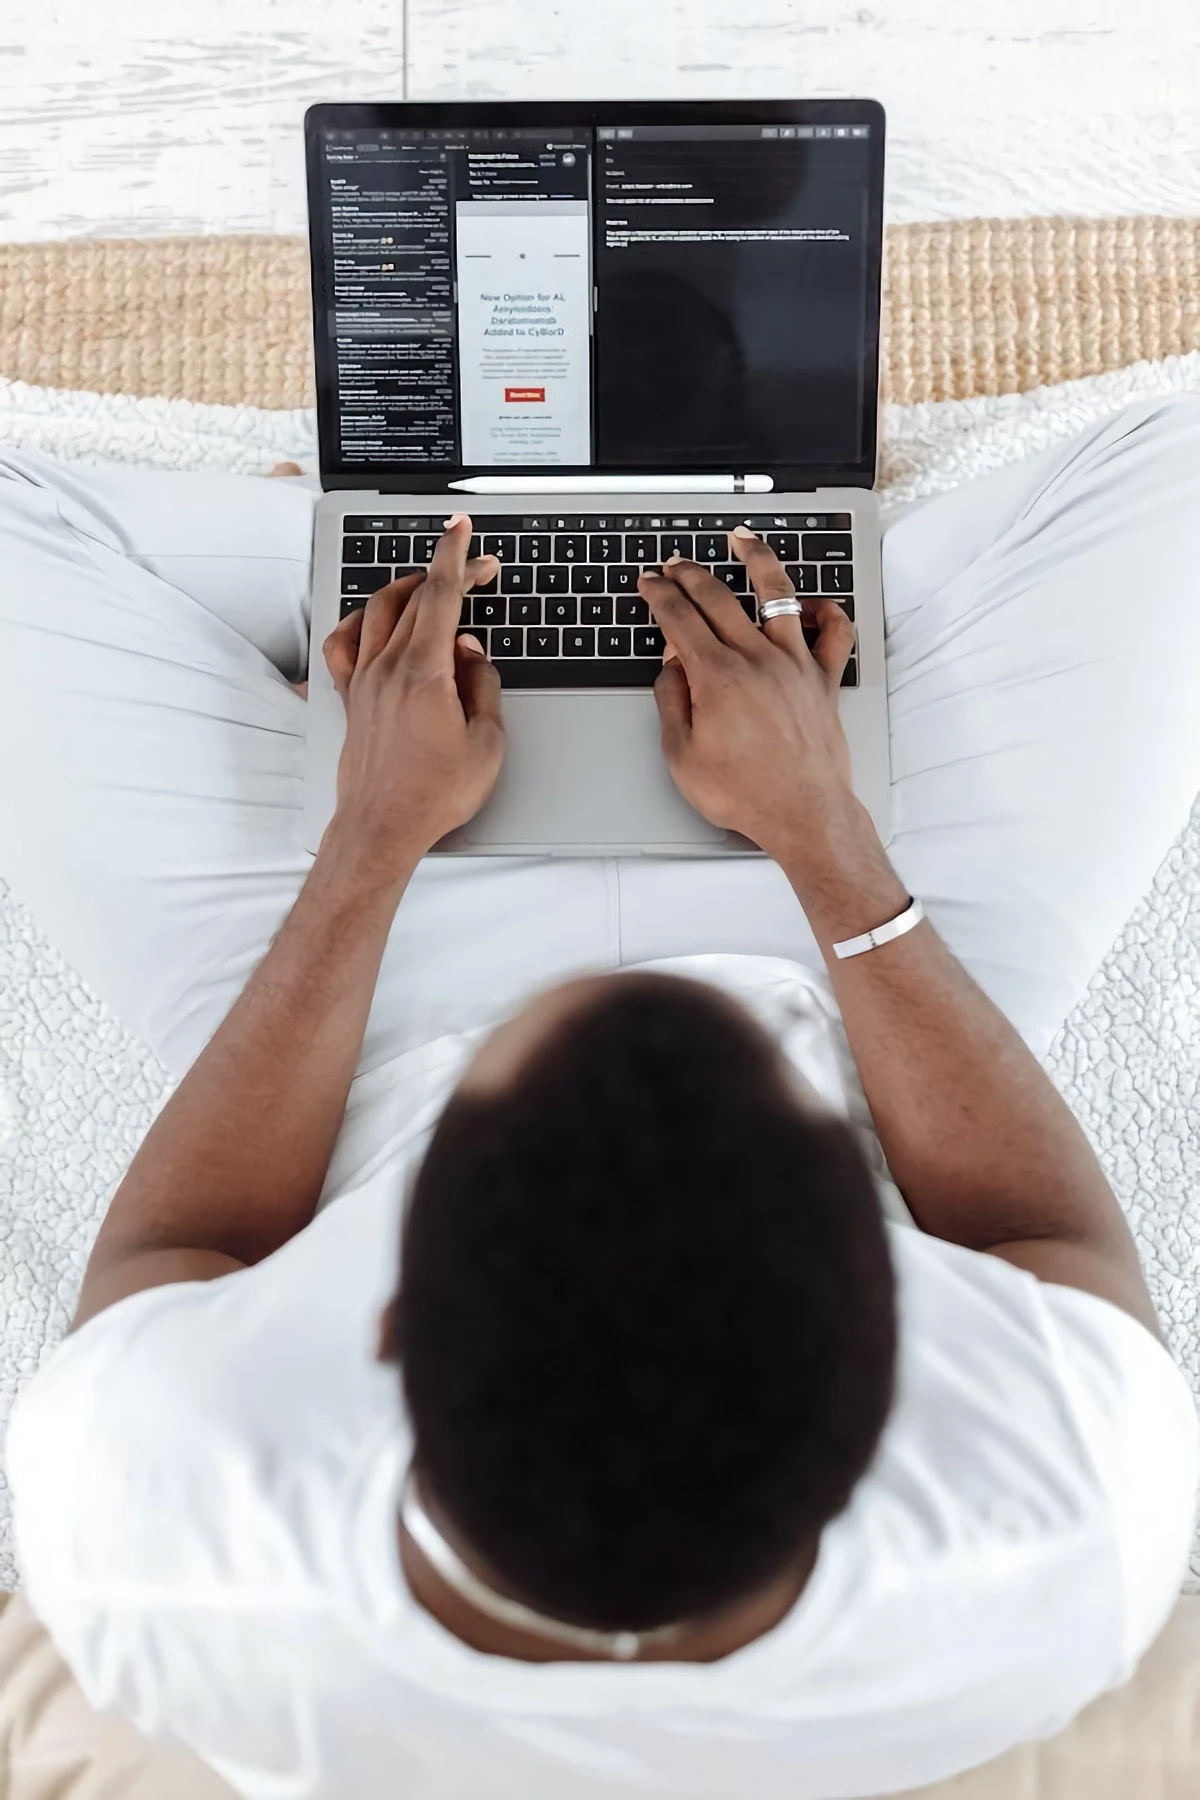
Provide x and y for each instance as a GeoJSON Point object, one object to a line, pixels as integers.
{"type": "Point", "coordinates": [524, 316]}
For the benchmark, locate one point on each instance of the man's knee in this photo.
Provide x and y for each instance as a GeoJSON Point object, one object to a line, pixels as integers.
{"type": "Point", "coordinates": [1145, 455]}
{"type": "Point", "coordinates": [1161, 418]}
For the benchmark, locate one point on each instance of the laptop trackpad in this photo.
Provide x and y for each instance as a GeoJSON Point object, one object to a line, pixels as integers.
{"type": "Point", "coordinates": [586, 772]}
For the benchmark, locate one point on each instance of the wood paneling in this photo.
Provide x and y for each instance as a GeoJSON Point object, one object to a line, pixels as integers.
{"type": "Point", "coordinates": [147, 117]}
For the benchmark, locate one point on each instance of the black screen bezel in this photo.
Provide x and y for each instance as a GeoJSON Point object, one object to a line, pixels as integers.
{"type": "Point", "coordinates": [587, 115]}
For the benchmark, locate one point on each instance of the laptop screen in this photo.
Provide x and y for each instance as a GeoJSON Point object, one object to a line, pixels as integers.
{"type": "Point", "coordinates": [610, 295]}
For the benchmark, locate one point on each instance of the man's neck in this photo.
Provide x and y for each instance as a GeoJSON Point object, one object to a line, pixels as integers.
{"type": "Point", "coordinates": [707, 1641]}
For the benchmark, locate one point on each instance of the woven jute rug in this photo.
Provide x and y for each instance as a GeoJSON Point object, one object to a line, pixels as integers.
{"type": "Point", "coordinates": [984, 306]}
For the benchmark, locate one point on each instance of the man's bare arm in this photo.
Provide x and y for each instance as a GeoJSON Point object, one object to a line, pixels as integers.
{"type": "Point", "coordinates": [234, 1164]}
{"type": "Point", "coordinates": [981, 1145]}
{"type": "Point", "coordinates": [978, 1140]}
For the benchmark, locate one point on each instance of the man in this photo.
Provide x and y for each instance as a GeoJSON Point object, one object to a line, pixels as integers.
{"type": "Point", "coordinates": [677, 1461]}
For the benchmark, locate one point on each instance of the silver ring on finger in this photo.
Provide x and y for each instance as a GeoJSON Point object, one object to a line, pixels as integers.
{"type": "Point", "coordinates": [779, 609]}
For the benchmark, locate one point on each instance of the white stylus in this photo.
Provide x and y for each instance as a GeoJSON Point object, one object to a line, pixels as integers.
{"type": "Point", "coordinates": [614, 484]}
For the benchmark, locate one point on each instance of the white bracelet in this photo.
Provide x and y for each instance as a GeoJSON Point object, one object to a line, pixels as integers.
{"type": "Point", "coordinates": [912, 915]}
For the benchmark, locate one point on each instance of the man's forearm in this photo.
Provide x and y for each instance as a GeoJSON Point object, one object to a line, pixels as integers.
{"type": "Point", "coordinates": [978, 1140]}
{"type": "Point", "coordinates": [234, 1164]}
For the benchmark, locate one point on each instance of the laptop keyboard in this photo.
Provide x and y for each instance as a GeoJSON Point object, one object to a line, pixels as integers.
{"type": "Point", "coordinates": [565, 610]}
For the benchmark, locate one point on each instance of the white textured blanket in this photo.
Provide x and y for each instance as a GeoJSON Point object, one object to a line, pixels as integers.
{"type": "Point", "coordinates": [77, 1092]}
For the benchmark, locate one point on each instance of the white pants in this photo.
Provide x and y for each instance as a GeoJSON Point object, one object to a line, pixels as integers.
{"type": "Point", "coordinates": [1043, 656]}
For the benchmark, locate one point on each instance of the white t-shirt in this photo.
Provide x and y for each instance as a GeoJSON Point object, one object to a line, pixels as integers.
{"type": "Point", "coordinates": [207, 1476]}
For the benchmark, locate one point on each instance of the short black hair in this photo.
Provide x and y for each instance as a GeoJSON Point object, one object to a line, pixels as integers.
{"type": "Point", "coordinates": [646, 1320]}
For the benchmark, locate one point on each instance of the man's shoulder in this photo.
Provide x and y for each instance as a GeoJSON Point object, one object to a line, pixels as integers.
{"type": "Point", "coordinates": [208, 1405]}
{"type": "Point", "coordinates": [1031, 1410]}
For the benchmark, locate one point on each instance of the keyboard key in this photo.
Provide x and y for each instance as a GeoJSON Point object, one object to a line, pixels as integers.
{"type": "Point", "coordinates": [489, 612]}
{"type": "Point", "coordinates": [570, 549]}
{"type": "Point", "coordinates": [561, 612]}
{"type": "Point", "coordinates": [534, 549]}
{"type": "Point", "coordinates": [734, 576]}
{"type": "Point", "coordinates": [464, 615]}
{"type": "Point", "coordinates": [596, 612]}
{"type": "Point", "coordinates": [516, 578]}
{"type": "Point", "coordinates": [722, 522]}
{"type": "Point", "coordinates": [827, 546]}
{"type": "Point", "coordinates": [580, 641]}
{"type": "Point", "coordinates": [622, 578]}
{"type": "Point", "coordinates": [352, 603]}
{"type": "Point", "coordinates": [532, 672]}
{"type": "Point", "coordinates": [525, 612]}
{"type": "Point", "coordinates": [641, 547]}
{"type": "Point", "coordinates": [803, 577]}
{"type": "Point", "coordinates": [632, 612]}
{"type": "Point", "coordinates": [361, 550]}
{"type": "Point", "coordinates": [507, 643]}
{"type": "Point", "coordinates": [711, 547]}
{"type": "Point", "coordinates": [397, 550]}
{"type": "Point", "coordinates": [785, 544]}
{"type": "Point", "coordinates": [569, 522]}
{"type": "Point", "coordinates": [850, 673]}
{"type": "Point", "coordinates": [630, 522]}
{"type": "Point", "coordinates": [500, 545]}
{"type": "Point", "coordinates": [846, 602]}
{"type": "Point", "coordinates": [359, 522]}
{"type": "Point", "coordinates": [676, 543]}
{"type": "Point", "coordinates": [615, 641]}
{"type": "Point", "coordinates": [535, 522]}
{"type": "Point", "coordinates": [475, 547]}
{"type": "Point", "coordinates": [553, 580]}
{"type": "Point", "coordinates": [364, 581]}
{"type": "Point", "coordinates": [542, 643]}
{"type": "Point", "coordinates": [423, 547]}
{"type": "Point", "coordinates": [605, 548]}
{"type": "Point", "coordinates": [837, 578]}
{"type": "Point", "coordinates": [649, 642]}
{"type": "Point", "coordinates": [587, 578]}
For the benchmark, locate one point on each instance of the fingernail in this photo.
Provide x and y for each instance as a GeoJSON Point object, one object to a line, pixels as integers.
{"type": "Point", "coordinates": [743, 531]}
{"type": "Point", "coordinates": [454, 519]}
{"type": "Point", "coordinates": [471, 643]}
{"type": "Point", "coordinates": [672, 559]}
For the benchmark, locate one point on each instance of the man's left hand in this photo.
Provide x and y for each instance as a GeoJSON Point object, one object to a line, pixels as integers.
{"type": "Point", "coordinates": [424, 738]}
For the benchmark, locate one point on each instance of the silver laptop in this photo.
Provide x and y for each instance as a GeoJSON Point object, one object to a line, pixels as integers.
{"type": "Point", "coordinates": [609, 331]}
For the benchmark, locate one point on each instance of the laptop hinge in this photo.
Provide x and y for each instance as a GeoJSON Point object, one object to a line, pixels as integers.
{"type": "Point", "coordinates": [670, 480]}
{"type": "Point", "coordinates": [781, 480]}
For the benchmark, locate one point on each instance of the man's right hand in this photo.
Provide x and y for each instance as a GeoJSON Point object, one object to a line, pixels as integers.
{"type": "Point", "coordinates": [750, 724]}
{"type": "Point", "coordinates": [424, 735]}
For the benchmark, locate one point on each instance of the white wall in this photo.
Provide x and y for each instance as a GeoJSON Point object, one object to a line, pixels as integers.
{"type": "Point", "coordinates": [153, 116]}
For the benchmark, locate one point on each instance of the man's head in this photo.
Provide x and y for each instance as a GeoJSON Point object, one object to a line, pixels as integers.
{"type": "Point", "coordinates": [646, 1320]}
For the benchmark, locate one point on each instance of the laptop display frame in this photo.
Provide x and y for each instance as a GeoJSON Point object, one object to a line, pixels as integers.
{"type": "Point", "coordinates": [568, 115]}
